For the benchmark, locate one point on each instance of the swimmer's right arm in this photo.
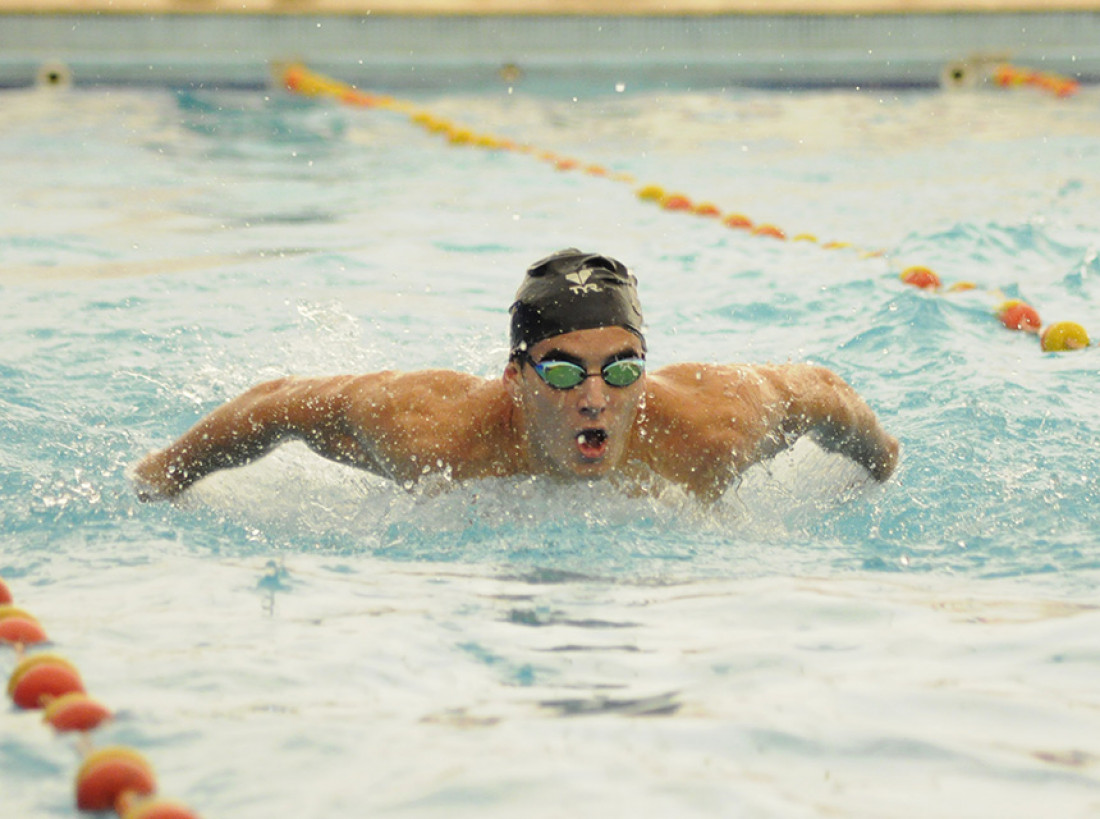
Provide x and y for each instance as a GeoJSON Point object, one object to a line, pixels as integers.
{"type": "Point", "coordinates": [313, 410]}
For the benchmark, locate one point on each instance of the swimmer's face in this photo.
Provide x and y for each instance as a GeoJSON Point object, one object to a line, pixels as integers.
{"type": "Point", "coordinates": [583, 432]}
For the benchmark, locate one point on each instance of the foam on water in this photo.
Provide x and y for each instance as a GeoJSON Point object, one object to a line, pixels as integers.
{"type": "Point", "coordinates": [299, 639]}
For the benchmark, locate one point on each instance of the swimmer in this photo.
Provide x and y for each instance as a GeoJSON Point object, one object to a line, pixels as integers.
{"type": "Point", "coordinates": [574, 403]}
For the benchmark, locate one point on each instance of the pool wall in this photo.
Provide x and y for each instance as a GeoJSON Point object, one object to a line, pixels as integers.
{"type": "Point", "coordinates": [466, 50]}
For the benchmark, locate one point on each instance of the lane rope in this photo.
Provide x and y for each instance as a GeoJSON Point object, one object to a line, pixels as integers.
{"type": "Point", "coordinates": [1056, 337]}
{"type": "Point", "coordinates": [1007, 75]}
{"type": "Point", "coordinates": [114, 778]}
{"type": "Point", "coordinates": [988, 70]}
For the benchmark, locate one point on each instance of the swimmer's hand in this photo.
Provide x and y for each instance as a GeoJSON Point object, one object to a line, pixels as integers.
{"type": "Point", "coordinates": [871, 447]}
{"type": "Point", "coordinates": [883, 464]}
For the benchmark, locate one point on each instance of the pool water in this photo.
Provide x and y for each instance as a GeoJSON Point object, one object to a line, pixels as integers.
{"type": "Point", "coordinates": [298, 639]}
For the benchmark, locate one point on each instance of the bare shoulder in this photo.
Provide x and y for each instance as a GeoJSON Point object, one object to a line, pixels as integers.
{"type": "Point", "coordinates": [723, 380]}
{"type": "Point", "coordinates": [423, 398]}
{"type": "Point", "coordinates": [419, 385]}
{"type": "Point", "coordinates": [710, 399]}
{"type": "Point", "coordinates": [752, 397]}
{"type": "Point", "coordinates": [705, 393]}
{"type": "Point", "coordinates": [431, 417]}
{"type": "Point", "coordinates": [703, 423]}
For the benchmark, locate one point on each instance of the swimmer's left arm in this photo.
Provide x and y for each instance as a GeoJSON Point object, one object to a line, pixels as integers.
{"type": "Point", "coordinates": [821, 404]}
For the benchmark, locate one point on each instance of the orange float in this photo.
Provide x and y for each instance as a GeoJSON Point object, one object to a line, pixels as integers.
{"type": "Point", "coordinates": [1017, 315]}
{"type": "Point", "coordinates": [921, 277]}
{"type": "Point", "coordinates": [676, 201]}
{"type": "Point", "coordinates": [75, 711]}
{"type": "Point", "coordinates": [769, 230]}
{"type": "Point", "coordinates": [41, 678]}
{"type": "Point", "coordinates": [22, 631]}
{"type": "Point", "coordinates": [111, 777]}
{"type": "Point", "coordinates": [960, 287]}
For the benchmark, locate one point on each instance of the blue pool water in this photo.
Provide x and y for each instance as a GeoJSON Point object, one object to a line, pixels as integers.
{"type": "Point", "coordinates": [297, 639]}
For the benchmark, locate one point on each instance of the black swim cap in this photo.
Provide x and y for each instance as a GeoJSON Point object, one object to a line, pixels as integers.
{"type": "Point", "coordinates": [570, 290]}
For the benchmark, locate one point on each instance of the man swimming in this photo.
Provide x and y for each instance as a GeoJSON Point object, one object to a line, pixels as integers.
{"type": "Point", "coordinates": [574, 403]}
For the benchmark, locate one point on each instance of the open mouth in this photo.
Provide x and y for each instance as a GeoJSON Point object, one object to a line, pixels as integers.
{"type": "Point", "coordinates": [592, 443]}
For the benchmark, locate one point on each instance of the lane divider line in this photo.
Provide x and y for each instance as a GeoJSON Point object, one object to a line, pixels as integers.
{"type": "Point", "coordinates": [1007, 75]}
{"type": "Point", "coordinates": [1060, 336]}
{"type": "Point", "coordinates": [114, 778]}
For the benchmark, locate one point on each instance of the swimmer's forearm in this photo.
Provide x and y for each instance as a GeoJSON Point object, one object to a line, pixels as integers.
{"type": "Point", "coordinates": [234, 434]}
{"type": "Point", "coordinates": [251, 425]}
{"type": "Point", "coordinates": [869, 446]}
{"type": "Point", "coordinates": [836, 417]}
{"type": "Point", "coordinates": [168, 472]}
{"type": "Point", "coordinates": [874, 450]}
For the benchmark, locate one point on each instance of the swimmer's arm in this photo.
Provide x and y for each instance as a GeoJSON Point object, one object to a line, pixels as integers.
{"type": "Point", "coordinates": [251, 425]}
{"type": "Point", "coordinates": [822, 405]}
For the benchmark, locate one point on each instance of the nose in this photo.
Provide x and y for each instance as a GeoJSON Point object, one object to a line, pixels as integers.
{"type": "Point", "coordinates": [592, 398]}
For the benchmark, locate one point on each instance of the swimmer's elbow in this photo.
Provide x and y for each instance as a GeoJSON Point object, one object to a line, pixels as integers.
{"type": "Point", "coordinates": [273, 411]}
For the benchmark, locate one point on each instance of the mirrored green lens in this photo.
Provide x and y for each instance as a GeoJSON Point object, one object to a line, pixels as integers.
{"type": "Point", "coordinates": [623, 373]}
{"type": "Point", "coordinates": [561, 375]}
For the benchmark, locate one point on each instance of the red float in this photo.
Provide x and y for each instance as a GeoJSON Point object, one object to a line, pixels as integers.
{"type": "Point", "coordinates": [921, 277]}
{"type": "Point", "coordinates": [769, 230]}
{"type": "Point", "coordinates": [738, 221]}
{"type": "Point", "coordinates": [76, 711]}
{"type": "Point", "coordinates": [24, 631]}
{"type": "Point", "coordinates": [1020, 316]}
{"type": "Point", "coordinates": [42, 683]}
{"type": "Point", "coordinates": [110, 777]}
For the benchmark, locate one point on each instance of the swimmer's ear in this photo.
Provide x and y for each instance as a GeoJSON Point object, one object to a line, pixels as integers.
{"type": "Point", "coordinates": [511, 378]}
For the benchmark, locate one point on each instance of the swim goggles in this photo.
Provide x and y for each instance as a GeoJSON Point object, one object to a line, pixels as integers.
{"type": "Point", "coordinates": [565, 375]}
